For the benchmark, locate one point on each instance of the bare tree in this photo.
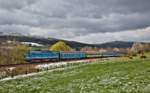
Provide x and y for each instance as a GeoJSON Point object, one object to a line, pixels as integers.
{"type": "Point", "coordinates": [137, 47]}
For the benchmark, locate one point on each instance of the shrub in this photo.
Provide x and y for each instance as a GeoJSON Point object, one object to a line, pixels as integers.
{"type": "Point", "coordinates": [60, 46]}
{"type": "Point", "coordinates": [13, 55]}
{"type": "Point", "coordinates": [143, 57]}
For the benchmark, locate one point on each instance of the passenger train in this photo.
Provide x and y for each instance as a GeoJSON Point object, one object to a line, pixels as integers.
{"type": "Point", "coordinates": [37, 56]}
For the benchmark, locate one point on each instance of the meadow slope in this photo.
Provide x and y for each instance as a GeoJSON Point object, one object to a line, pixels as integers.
{"type": "Point", "coordinates": [120, 75]}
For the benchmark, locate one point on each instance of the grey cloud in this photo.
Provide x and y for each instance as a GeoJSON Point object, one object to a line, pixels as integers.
{"type": "Point", "coordinates": [18, 29]}
{"type": "Point", "coordinates": [140, 35]}
{"type": "Point", "coordinates": [73, 18]}
{"type": "Point", "coordinates": [15, 4]}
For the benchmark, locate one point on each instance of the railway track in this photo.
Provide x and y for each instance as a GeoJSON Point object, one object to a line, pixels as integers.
{"type": "Point", "coordinates": [37, 63]}
{"type": "Point", "coordinates": [11, 70]}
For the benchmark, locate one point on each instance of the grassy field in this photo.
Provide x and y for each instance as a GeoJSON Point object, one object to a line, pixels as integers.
{"type": "Point", "coordinates": [119, 75]}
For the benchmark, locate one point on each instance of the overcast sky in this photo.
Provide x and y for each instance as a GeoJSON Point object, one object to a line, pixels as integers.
{"type": "Point", "coordinates": [89, 21]}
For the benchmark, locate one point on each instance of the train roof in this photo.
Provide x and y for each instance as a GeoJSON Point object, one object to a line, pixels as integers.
{"type": "Point", "coordinates": [42, 51]}
{"type": "Point", "coordinates": [72, 52]}
{"type": "Point", "coordinates": [56, 51]}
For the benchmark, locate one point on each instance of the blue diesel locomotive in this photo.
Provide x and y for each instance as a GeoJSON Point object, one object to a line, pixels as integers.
{"type": "Point", "coordinates": [35, 56]}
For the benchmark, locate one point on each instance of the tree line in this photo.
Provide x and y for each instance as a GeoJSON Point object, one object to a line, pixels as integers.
{"type": "Point", "coordinates": [15, 54]}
